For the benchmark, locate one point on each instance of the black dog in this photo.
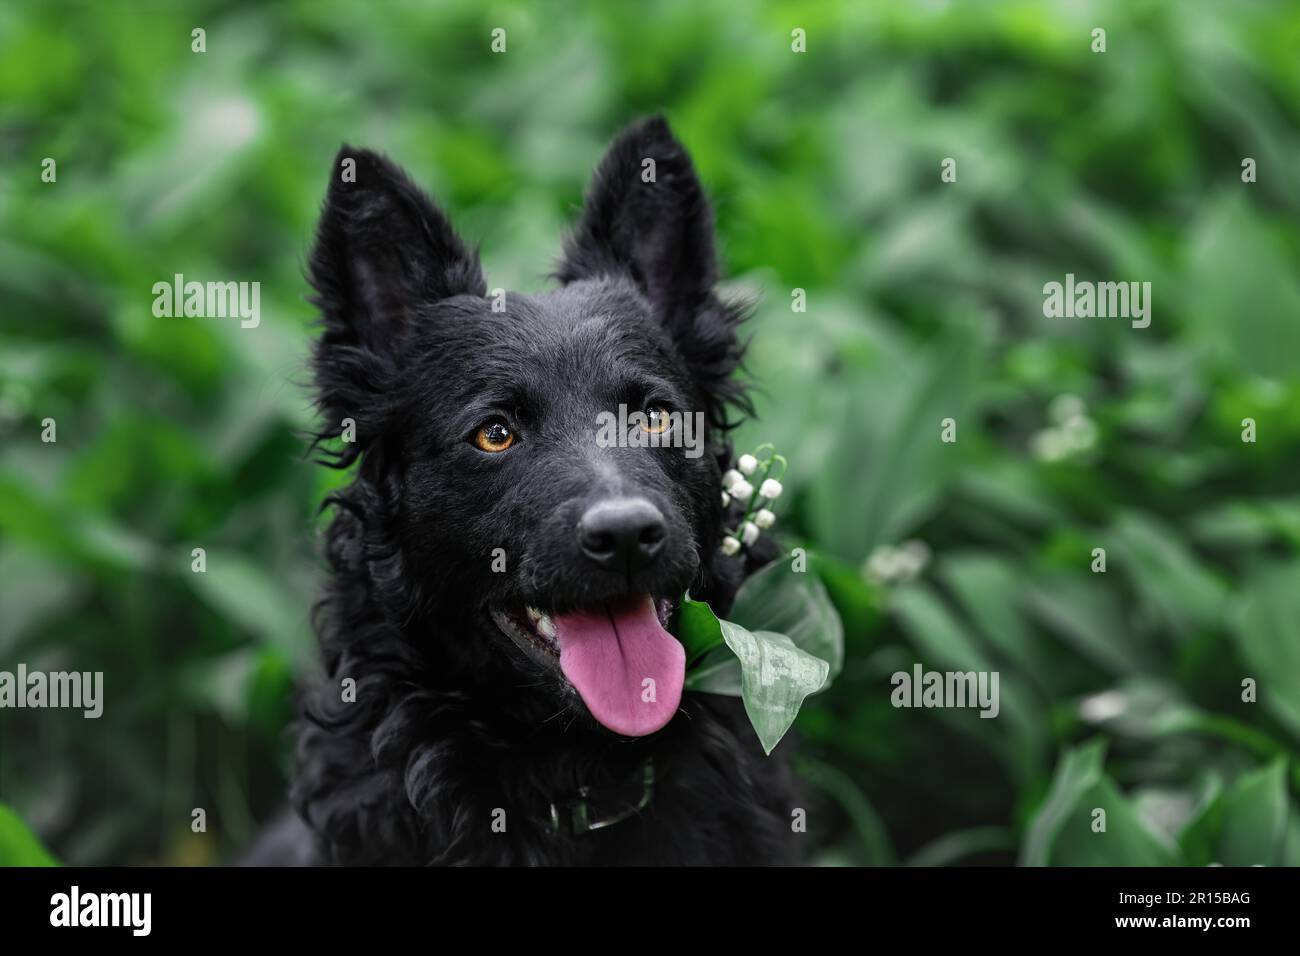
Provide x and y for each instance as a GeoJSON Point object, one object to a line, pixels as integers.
{"type": "Point", "coordinates": [500, 685]}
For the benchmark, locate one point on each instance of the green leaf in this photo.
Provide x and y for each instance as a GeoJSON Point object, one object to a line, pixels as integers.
{"type": "Point", "coordinates": [777, 598]}
{"type": "Point", "coordinates": [776, 676]}
{"type": "Point", "coordinates": [252, 597]}
{"type": "Point", "coordinates": [774, 600]}
{"type": "Point", "coordinates": [1062, 833]}
{"type": "Point", "coordinates": [895, 466]}
{"type": "Point", "coordinates": [934, 631]}
{"type": "Point", "coordinates": [1126, 841]}
{"type": "Point", "coordinates": [860, 605]}
{"type": "Point", "coordinates": [864, 817]}
{"type": "Point", "coordinates": [718, 672]}
{"type": "Point", "coordinates": [1200, 835]}
{"type": "Point", "coordinates": [989, 589]}
{"type": "Point", "coordinates": [19, 846]}
{"type": "Point", "coordinates": [696, 627]}
{"type": "Point", "coordinates": [1173, 584]}
{"type": "Point", "coordinates": [1266, 626]}
{"type": "Point", "coordinates": [1255, 813]}
{"type": "Point", "coordinates": [1078, 772]}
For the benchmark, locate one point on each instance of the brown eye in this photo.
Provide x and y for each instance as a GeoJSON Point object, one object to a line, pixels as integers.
{"type": "Point", "coordinates": [494, 437]}
{"type": "Point", "coordinates": [657, 420]}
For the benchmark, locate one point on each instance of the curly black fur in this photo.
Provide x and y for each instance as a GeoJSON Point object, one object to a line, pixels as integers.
{"type": "Point", "coordinates": [452, 723]}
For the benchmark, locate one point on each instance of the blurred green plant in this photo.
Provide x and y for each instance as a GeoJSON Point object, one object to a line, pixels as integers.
{"type": "Point", "coordinates": [1120, 690]}
{"type": "Point", "coordinates": [18, 845]}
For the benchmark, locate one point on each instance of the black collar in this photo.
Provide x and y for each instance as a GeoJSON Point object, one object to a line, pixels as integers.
{"type": "Point", "coordinates": [592, 809]}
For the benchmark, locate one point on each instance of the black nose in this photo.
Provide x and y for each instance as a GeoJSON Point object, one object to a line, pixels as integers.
{"type": "Point", "coordinates": [622, 534]}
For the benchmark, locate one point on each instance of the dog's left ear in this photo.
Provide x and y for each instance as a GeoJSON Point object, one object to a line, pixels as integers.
{"type": "Point", "coordinates": [646, 217]}
{"type": "Point", "coordinates": [384, 254]}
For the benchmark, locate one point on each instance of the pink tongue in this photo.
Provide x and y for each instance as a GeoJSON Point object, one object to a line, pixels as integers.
{"type": "Point", "coordinates": [627, 668]}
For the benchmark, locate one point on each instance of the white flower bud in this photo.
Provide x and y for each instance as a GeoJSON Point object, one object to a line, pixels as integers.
{"type": "Point", "coordinates": [771, 488]}
{"type": "Point", "coordinates": [764, 518]}
{"type": "Point", "coordinates": [1080, 433]}
{"type": "Point", "coordinates": [726, 499]}
{"type": "Point", "coordinates": [730, 478]}
{"type": "Point", "coordinates": [908, 562]}
{"type": "Point", "coordinates": [742, 490]}
{"type": "Point", "coordinates": [730, 545]}
{"type": "Point", "coordinates": [918, 553]}
{"type": "Point", "coordinates": [880, 565]}
{"type": "Point", "coordinates": [1065, 407]}
{"type": "Point", "coordinates": [1049, 445]}
{"type": "Point", "coordinates": [747, 464]}
{"type": "Point", "coordinates": [749, 532]}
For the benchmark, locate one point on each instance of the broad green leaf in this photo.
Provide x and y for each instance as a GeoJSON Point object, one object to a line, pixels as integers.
{"type": "Point", "coordinates": [881, 484]}
{"type": "Point", "coordinates": [845, 791]}
{"type": "Point", "coordinates": [1291, 851]}
{"type": "Point", "coordinates": [1240, 266]}
{"type": "Point", "coordinates": [1065, 830]}
{"type": "Point", "coordinates": [1255, 813]}
{"type": "Point", "coordinates": [1200, 835]}
{"type": "Point", "coordinates": [943, 640]}
{"type": "Point", "coordinates": [717, 672]}
{"type": "Point", "coordinates": [777, 598]}
{"type": "Point", "coordinates": [859, 604]}
{"type": "Point", "coordinates": [19, 846]}
{"type": "Point", "coordinates": [1126, 841]}
{"type": "Point", "coordinates": [776, 676]}
{"type": "Point", "coordinates": [253, 598]}
{"type": "Point", "coordinates": [1079, 771]}
{"type": "Point", "coordinates": [696, 627]}
{"type": "Point", "coordinates": [1088, 616]}
{"type": "Point", "coordinates": [1266, 627]}
{"type": "Point", "coordinates": [989, 589]}
{"type": "Point", "coordinates": [774, 599]}
{"type": "Point", "coordinates": [935, 632]}
{"type": "Point", "coordinates": [1167, 574]}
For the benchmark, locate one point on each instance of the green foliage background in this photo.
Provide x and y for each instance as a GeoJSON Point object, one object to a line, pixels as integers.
{"type": "Point", "coordinates": [1119, 690]}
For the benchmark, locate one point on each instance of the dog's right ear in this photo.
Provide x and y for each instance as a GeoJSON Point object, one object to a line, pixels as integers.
{"type": "Point", "coordinates": [383, 254]}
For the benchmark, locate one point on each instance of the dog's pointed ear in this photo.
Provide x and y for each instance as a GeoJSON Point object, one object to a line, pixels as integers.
{"type": "Point", "coordinates": [383, 254]}
{"type": "Point", "coordinates": [646, 217]}
{"type": "Point", "coordinates": [383, 250]}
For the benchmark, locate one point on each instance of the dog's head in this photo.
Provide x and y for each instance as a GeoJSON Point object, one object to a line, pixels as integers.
{"type": "Point", "coordinates": [545, 467]}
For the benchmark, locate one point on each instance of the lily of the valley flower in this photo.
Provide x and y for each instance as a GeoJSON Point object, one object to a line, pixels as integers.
{"type": "Point", "coordinates": [897, 565]}
{"type": "Point", "coordinates": [757, 517]}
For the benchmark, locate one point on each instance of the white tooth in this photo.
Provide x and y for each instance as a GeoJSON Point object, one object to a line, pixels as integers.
{"type": "Point", "coordinates": [546, 627]}
{"type": "Point", "coordinates": [533, 614]}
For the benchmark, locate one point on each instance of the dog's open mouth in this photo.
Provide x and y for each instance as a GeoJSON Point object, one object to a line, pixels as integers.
{"type": "Point", "coordinates": [618, 656]}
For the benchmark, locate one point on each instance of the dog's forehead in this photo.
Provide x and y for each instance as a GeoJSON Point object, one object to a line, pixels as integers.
{"type": "Point", "coordinates": [586, 309]}
{"type": "Point", "coordinates": [578, 325]}
{"type": "Point", "coordinates": [587, 341]}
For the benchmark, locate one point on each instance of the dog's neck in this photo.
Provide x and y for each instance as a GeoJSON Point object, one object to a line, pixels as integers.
{"type": "Point", "coordinates": [593, 808]}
